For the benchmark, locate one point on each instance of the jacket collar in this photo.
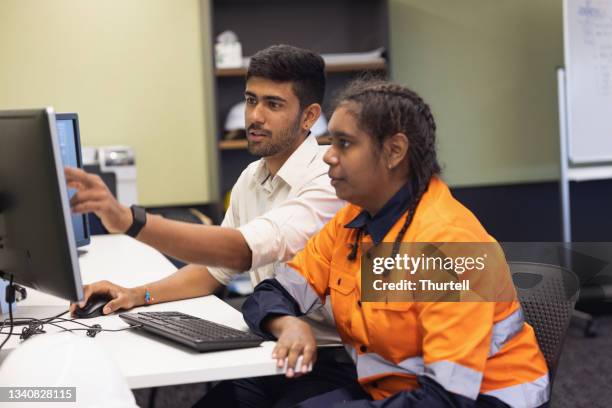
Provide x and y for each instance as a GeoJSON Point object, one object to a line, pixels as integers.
{"type": "Point", "coordinates": [379, 225]}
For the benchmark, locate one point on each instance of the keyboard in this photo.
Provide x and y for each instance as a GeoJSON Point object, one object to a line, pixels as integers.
{"type": "Point", "coordinates": [199, 334]}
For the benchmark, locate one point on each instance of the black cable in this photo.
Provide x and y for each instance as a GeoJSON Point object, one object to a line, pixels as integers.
{"type": "Point", "coordinates": [52, 320]}
{"type": "Point", "coordinates": [24, 321]}
{"type": "Point", "coordinates": [107, 330]}
{"type": "Point", "coordinates": [9, 300]}
{"type": "Point", "coordinates": [59, 315]}
{"type": "Point", "coordinates": [137, 326]}
{"type": "Point", "coordinates": [36, 326]}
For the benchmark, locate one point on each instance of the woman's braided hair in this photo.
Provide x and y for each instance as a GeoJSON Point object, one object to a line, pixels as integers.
{"type": "Point", "coordinates": [384, 109]}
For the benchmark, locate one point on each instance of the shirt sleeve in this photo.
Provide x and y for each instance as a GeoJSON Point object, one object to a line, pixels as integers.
{"type": "Point", "coordinates": [313, 264]}
{"type": "Point", "coordinates": [298, 288]}
{"type": "Point", "coordinates": [230, 220]}
{"type": "Point", "coordinates": [280, 233]}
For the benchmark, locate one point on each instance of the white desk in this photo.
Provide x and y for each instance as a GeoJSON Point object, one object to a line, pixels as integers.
{"type": "Point", "coordinates": [148, 361]}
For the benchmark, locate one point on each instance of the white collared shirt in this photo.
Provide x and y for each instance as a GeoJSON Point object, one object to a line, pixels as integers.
{"type": "Point", "coordinates": [278, 214]}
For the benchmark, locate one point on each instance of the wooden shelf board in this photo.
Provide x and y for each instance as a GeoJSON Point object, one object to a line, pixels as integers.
{"type": "Point", "coordinates": [241, 144]}
{"type": "Point", "coordinates": [374, 64]}
{"type": "Point", "coordinates": [233, 144]}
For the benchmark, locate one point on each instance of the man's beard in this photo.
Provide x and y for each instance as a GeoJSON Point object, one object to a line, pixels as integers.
{"type": "Point", "coordinates": [269, 147]}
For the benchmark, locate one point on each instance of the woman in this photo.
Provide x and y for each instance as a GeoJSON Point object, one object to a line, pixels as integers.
{"type": "Point", "coordinates": [408, 354]}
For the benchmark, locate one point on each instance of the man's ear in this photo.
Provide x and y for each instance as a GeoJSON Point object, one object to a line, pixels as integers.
{"type": "Point", "coordinates": [396, 149]}
{"type": "Point", "coordinates": [310, 115]}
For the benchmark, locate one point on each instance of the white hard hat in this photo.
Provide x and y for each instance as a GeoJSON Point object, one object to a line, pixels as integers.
{"type": "Point", "coordinates": [234, 122]}
{"type": "Point", "coordinates": [235, 125]}
{"type": "Point", "coordinates": [235, 117]}
{"type": "Point", "coordinates": [68, 360]}
{"type": "Point", "coordinates": [320, 126]}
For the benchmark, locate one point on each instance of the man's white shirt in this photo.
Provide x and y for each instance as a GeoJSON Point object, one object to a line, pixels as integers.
{"type": "Point", "coordinates": [278, 214]}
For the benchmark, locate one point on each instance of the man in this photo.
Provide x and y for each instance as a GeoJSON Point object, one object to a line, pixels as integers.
{"type": "Point", "coordinates": [276, 205]}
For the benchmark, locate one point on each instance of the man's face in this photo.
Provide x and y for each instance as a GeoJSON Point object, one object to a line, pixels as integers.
{"type": "Point", "coordinates": [272, 116]}
{"type": "Point", "coordinates": [355, 168]}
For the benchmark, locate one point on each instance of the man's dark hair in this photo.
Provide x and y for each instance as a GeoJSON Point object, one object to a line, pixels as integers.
{"type": "Point", "coordinates": [285, 63]}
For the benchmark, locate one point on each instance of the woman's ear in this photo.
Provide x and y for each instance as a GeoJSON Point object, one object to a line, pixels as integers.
{"type": "Point", "coordinates": [396, 150]}
{"type": "Point", "coordinates": [310, 115]}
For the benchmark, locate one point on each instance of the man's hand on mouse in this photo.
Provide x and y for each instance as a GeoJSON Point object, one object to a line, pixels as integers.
{"type": "Point", "coordinates": [122, 298]}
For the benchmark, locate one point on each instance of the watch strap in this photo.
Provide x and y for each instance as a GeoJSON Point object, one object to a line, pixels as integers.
{"type": "Point", "coordinates": [139, 220]}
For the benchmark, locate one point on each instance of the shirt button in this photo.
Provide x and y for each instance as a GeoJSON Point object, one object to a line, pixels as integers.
{"type": "Point", "coordinates": [363, 349]}
{"type": "Point", "coordinates": [359, 303]}
{"type": "Point", "coordinates": [339, 280]}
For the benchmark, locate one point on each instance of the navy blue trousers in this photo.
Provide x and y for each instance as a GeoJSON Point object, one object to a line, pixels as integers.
{"type": "Point", "coordinates": [333, 369]}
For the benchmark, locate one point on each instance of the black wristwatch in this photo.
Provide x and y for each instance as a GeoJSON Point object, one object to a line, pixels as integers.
{"type": "Point", "coordinates": [139, 220]}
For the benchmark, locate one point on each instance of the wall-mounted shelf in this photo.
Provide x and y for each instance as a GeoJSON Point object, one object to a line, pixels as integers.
{"type": "Point", "coordinates": [241, 144]}
{"type": "Point", "coordinates": [339, 37]}
{"type": "Point", "coordinates": [233, 144]}
{"type": "Point", "coordinates": [373, 64]}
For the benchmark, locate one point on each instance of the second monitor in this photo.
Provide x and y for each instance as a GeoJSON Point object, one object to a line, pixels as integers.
{"type": "Point", "coordinates": [69, 139]}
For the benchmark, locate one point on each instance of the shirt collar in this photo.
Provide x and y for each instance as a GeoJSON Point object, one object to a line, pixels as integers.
{"type": "Point", "coordinates": [292, 170]}
{"type": "Point", "coordinates": [381, 223]}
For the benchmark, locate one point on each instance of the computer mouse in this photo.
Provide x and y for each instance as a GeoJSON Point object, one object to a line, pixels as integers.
{"type": "Point", "coordinates": [93, 307]}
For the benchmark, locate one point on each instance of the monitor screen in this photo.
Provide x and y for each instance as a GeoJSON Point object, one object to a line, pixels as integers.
{"type": "Point", "coordinates": [70, 148]}
{"type": "Point", "coordinates": [37, 243]}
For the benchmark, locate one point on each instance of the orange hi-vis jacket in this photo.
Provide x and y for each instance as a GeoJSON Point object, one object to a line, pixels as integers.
{"type": "Point", "coordinates": [469, 348]}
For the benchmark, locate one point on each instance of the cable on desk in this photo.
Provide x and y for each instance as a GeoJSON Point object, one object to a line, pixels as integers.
{"type": "Point", "coordinates": [36, 326]}
{"type": "Point", "coordinates": [23, 321]}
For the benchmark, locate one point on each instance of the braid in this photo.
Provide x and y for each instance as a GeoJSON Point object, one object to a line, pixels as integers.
{"type": "Point", "coordinates": [409, 217]}
{"type": "Point", "coordinates": [385, 109]}
{"type": "Point", "coordinates": [355, 246]}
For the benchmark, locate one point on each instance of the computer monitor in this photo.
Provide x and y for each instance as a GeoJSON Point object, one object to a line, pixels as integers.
{"type": "Point", "coordinates": [70, 148]}
{"type": "Point", "coordinates": [37, 244]}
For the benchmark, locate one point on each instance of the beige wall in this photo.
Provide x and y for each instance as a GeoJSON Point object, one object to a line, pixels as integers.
{"type": "Point", "coordinates": [133, 70]}
{"type": "Point", "coordinates": [487, 67]}
{"type": "Point", "coordinates": [138, 72]}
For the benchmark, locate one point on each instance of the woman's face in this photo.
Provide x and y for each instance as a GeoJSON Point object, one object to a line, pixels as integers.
{"type": "Point", "coordinates": [355, 167]}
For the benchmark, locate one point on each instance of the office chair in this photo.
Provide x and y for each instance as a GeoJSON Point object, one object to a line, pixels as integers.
{"type": "Point", "coordinates": [547, 294]}
{"type": "Point", "coordinates": [591, 262]}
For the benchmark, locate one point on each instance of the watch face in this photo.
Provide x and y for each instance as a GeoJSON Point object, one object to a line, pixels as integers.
{"type": "Point", "coordinates": [140, 215]}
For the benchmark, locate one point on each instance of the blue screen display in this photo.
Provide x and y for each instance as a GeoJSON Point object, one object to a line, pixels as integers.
{"type": "Point", "coordinates": [68, 149]}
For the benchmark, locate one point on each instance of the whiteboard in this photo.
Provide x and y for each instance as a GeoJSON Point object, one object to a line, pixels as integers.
{"type": "Point", "coordinates": [588, 63]}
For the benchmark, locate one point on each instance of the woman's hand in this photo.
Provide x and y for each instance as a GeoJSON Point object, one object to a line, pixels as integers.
{"type": "Point", "coordinates": [295, 339]}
